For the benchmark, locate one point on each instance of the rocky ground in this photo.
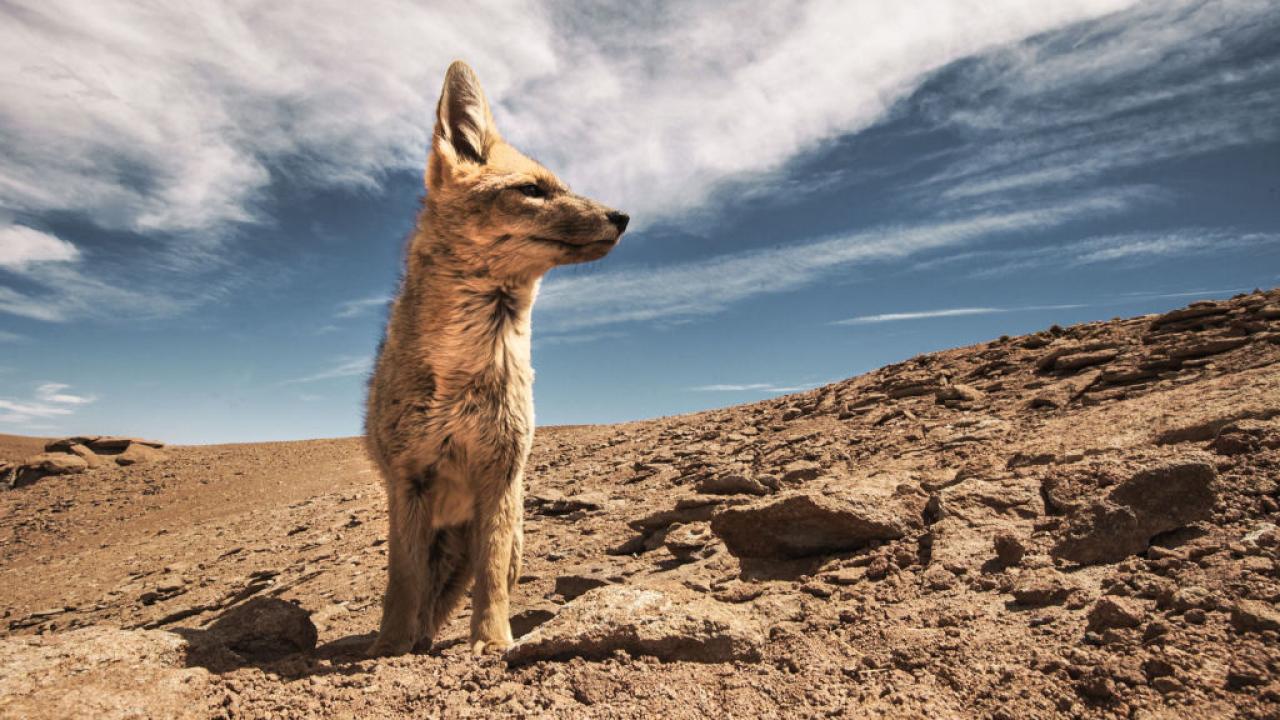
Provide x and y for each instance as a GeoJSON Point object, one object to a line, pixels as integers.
{"type": "Point", "coordinates": [1076, 523]}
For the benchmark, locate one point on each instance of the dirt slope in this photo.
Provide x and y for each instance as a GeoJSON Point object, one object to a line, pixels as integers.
{"type": "Point", "coordinates": [1077, 523]}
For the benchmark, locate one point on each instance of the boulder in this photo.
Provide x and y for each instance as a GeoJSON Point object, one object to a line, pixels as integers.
{"type": "Point", "coordinates": [263, 629]}
{"type": "Point", "coordinates": [553, 503]}
{"type": "Point", "coordinates": [136, 454]}
{"type": "Point", "coordinates": [1153, 501]}
{"type": "Point", "coordinates": [640, 621]}
{"type": "Point", "coordinates": [91, 458]}
{"type": "Point", "coordinates": [690, 542]}
{"type": "Point", "coordinates": [101, 673]}
{"type": "Point", "coordinates": [112, 445]}
{"type": "Point", "coordinates": [1009, 548]}
{"type": "Point", "coordinates": [64, 444]}
{"type": "Point", "coordinates": [1043, 586]}
{"type": "Point", "coordinates": [803, 523]}
{"type": "Point", "coordinates": [1116, 612]}
{"type": "Point", "coordinates": [959, 392]}
{"type": "Point", "coordinates": [55, 464]}
{"type": "Point", "coordinates": [1255, 616]}
{"type": "Point", "coordinates": [573, 583]}
{"type": "Point", "coordinates": [44, 465]}
{"type": "Point", "coordinates": [731, 484]}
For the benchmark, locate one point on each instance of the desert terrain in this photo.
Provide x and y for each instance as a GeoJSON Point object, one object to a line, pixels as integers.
{"type": "Point", "coordinates": [1077, 523]}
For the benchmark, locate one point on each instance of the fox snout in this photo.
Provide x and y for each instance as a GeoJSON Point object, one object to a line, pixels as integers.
{"type": "Point", "coordinates": [618, 220]}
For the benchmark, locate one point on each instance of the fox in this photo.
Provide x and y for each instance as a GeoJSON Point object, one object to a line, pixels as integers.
{"type": "Point", "coordinates": [449, 419]}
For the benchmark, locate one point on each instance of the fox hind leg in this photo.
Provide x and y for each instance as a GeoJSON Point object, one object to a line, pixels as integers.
{"type": "Point", "coordinates": [408, 546]}
{"type": "Point", "coordinates": [447, 579]}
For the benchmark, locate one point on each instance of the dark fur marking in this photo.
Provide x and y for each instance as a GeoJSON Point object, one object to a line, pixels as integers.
{"type": "Point", "coordinates": [422, 482]}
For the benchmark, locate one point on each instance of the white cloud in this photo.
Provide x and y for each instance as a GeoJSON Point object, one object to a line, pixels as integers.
{"type": "Point", "coordinates": [1131, 89]}
{"type": "Point", "coordinates": [342, 367]}
{"type": "Point", "coordinates": [20, 246]}
{"type": "Point", "coordinates": [705, 287]}
{"type": "Point", "coordinates": [48, 403]}
{"type": "Point", "coordinates": [173, 120]}
{"type": "Point", "coordinates": [11, 337]}
{"type": "Point", "coordinates": [946, 312]}
{"type": "Point", "coordinates": [155, 117]}
{"type": "Point", "coordinates": [53, 393]}
{"type": "Point", "coordinates": [753, 387]}
{"type": "Point", "coordinates": [1128, 249]}
{"type": "Point", "coordinates": [921, 315]}
{"type": "Point", "coordinates": [360, 306]}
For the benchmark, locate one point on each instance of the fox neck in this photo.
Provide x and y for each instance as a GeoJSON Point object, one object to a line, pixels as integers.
{"type": "Point", "coordinates": [472, 323]}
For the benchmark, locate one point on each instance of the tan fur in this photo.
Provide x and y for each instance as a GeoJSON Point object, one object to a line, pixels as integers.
{"type": "Point", "coordinates": [450, 410]}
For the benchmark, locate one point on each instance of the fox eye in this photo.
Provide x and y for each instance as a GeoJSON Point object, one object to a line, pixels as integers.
{"type": "Point", "coordinates": [531, 190]}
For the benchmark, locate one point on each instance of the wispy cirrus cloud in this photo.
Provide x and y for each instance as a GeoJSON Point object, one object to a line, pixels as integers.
{"type": "Point", "coordinates": [946, 313]}
{"type": "Point", "coordinates": [174, 122]}
{"type": "Point", "coordinates": [1123, 250]}
{"type": "Point", "coordinates": [342, 367]}
{"type": "Point", "coordinates": [49, 401]}
{"type": "Point", "coordinates": [360, 306]}
{"type": "Point", "coordinates": [11, 337]}
{"type": "Point", "coordinates": [1136, 88]}
{"type": "Point", "coordinates": [707, 287]}
{"type": "Point", "coordinates": [771, 388]}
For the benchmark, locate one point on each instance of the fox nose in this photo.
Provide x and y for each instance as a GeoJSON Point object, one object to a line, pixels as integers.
{"type": "Point", "coordinates": [619, 220]}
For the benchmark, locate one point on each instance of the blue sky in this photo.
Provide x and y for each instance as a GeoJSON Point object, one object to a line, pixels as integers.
{"type": "Point", "coordinates": [202, 212]}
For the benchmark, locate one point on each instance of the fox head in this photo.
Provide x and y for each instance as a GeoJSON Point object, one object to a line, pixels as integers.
{"type": "Point", "coordinates": [500, 212]}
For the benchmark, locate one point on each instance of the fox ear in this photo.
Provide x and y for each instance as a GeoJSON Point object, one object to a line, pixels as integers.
{"type": "Point", "coordinates": [464, 125]}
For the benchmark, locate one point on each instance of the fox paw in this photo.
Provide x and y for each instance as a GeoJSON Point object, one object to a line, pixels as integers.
{"type": "Point", "coordinates": [480, 648]}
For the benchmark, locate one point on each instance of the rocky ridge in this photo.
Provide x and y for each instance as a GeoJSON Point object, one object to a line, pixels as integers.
{"type": "Point", "coordinates": [1082, 522]}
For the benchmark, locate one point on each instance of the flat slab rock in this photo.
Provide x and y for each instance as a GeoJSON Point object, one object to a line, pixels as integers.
{"type": "Point", "coordinates": [1153, 501]}
{"type": "Point", "coordinates": [100, 673]}
{"type": "Point", "coordinates": [642, 622]}
{"type": "Point", "coordinates": [805, 523]}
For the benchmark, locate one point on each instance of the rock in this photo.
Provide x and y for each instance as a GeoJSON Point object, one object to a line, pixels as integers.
{"type": "Point", "coordinates": [1247, 670]}
{"type": "Point", "coordinates": [55, 464]}
{"type": "Point", "coordinates": [573, 584]}
{"type": "Point", "coordinates": [1077, 361]}
{"type": "Point", "coordinates": [691, 541]}
{"type": "Point", "coordinates": [136, 453]}
{"type": "Point", "coordinates": [801, 471]}
{"type": "Point", "coordinates": [1116, 612]}
{"type": "Point", "coordinates": [804, 523]}
{"type": "Point", "coordinates": [1193, 311]}
{"type": "Point", "coordinates": [101, 672]}
{"type": "Point", "coordinates": [64, 445]}
{"type": "Point", "coordinates": [1244, 437]}
{"type": "Point", "coordinates": [112, 445]}
{"type": "Point", "coordinates": [91, 458]}
{"type": "Point", "coordinates": [523, 622]}
{"type": "Point", "coordinates": [1153, 501]}
{"type": "Point", "coordinates": [1189, 597]}
{"type": "Point", "coordinates": [1211, 346]}
{"type": "Point", "coordinates": [1009, 548]}
{"type": "Point", "coordinates": [263, 629]}
{"type": "Point", "coordinates": [1254, 616]}
{"type": "Point", "coordinates": [552, 503]}
{"type": "Point", "coordinates": [865, 401]}
{"type": "Point", "coordinates": [45, 465]}
{"type": "Point", "coordinates": [1037, 588]}
{"type": "Point", "coordinates": [642, 622]}
{"type": "Point", "coordinates": [938, 578]}
{"type": "Point", "coordinates": [959, 392]}
{"type": "Point", "coordinates": [731, 484]}
{"type": "Point", "coordinates": [910, 387]}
